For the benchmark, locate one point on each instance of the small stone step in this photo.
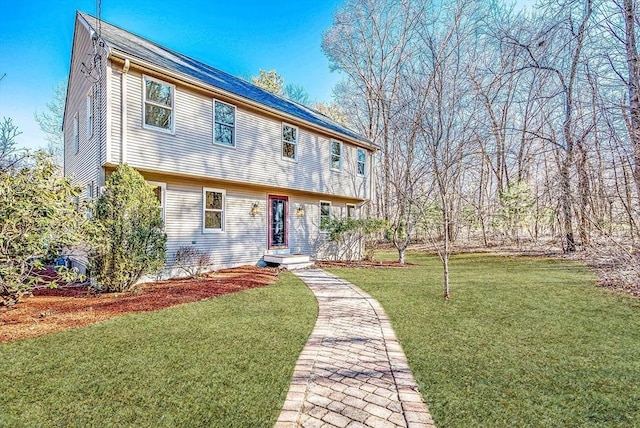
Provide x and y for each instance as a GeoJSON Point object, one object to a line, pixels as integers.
{"type": "Point", "coordinates": [289, 261]}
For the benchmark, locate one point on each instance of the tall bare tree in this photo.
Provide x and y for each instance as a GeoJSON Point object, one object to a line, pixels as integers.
{"type": "Point", "coordinates": [554, 49]}
{"type": "Point", "coordinates": [369, 41]}
{"type": "Point", "coordinates": [50, 122]}
{"type": "Point", "coordinates": [8, 133]}
{"type": "Point", "coordinates": [630, 11]}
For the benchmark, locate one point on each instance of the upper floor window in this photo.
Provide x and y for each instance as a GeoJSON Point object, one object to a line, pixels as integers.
{"type": "Point", "coordinates": [158, 105]}
{"type": "Point", "coordinates": [325, 215]}
{"type": "Point", "coordinates": [90, 113]}
{"type": "Point", "coordinates": [224, 124]}
{"type": "Point", "coordinates": [76, 133]}
{"type": "Point", "coordinates": [289, 142]}
{"type": "Point", "coordinates": [362, 161]}
{"type": "Point", "coordinates": [213, 201]}
{"type": "Point", "coordinates": [336, 155]}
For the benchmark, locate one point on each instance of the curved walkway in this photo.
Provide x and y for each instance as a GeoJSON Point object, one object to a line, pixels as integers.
{"type": "Point", "coordinates": [352, 371]}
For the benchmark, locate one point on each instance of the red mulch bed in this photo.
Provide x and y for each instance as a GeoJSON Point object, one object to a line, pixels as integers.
{"type": "Point", "coordinates": [55, 309]}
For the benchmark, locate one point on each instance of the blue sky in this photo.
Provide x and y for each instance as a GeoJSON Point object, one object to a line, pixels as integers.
{"type": "Point", "coordinates": [239, 37]}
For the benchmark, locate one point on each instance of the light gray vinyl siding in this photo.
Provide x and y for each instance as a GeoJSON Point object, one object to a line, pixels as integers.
{"type": "Point", "coordinates": [82, 167]}
{"type": "Point", "coordinates": [245, 236]}
{"type": "Point", "coordinates": [244, 239]}
{"type": "Point", "coordinates": [256, 158]}
{"type": "Point", "coordinates": [102, 94]}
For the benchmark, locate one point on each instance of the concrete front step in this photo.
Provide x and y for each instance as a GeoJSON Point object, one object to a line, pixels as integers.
{"type": "Point", "coordinates": [289, 261]}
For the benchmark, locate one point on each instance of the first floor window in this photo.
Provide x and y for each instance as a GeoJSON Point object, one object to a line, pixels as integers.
{"type": "Point", "coordinates": [213, 210]}
{"type": "Point", "coordinates": [160, 190]}
{"type": "Point", "coordinates": [90, 196]}
{"type": "Point", "coordinates": [158, 105]}
{"type": "Point", "coordinates": [351, 211]}
{"type": "Point", "coordinates": [224, 123]}
{"type": "Point", "coordinates": [325, 214]}
{"type": "Point", "coordinates": [336, 155]}
{"type": "Point", "coordinates": [289, 142]}
{"type": "Point", "coordinates": [362, 161]}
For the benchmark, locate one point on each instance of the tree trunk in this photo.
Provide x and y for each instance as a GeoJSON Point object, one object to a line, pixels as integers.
{"type": "Point", "coordinates": [445, 261]}
{"type": "Point", "coordinates": [583, 190]}
{"type": "Point", "coordinates": [565, 200]}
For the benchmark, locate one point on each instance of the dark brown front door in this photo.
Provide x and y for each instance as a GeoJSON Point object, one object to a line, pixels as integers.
{"type": "Point", "coordinates": [278, 212]}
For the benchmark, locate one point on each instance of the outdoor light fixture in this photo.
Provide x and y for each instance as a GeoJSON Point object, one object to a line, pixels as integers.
{"type": "Point", "coordinates": [255, 209]}
{"type": "Point", "coordinates": [300, 211]}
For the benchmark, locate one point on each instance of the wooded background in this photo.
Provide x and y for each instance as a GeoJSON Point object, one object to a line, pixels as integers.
{"type": "Point", "coordinates": [496, 126]}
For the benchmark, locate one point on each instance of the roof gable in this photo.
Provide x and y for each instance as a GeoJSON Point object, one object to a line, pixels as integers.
{"type": "Point", "coordinates": [128, 43]}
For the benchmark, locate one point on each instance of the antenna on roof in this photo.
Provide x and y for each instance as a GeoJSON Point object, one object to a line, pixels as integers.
{"type": "Point", "coordinates": [99, 16]}
{"type": "Point", "coordinates": [92, 70]}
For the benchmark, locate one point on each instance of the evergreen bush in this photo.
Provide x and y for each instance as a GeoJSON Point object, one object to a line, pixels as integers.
{"type": "Point", "coordinates": [134, 243]}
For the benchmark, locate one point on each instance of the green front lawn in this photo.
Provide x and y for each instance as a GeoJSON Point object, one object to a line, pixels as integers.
{"type": "Point", "coordinates": [223, 362]}
{"type": "Point", "coordinates": [524, 342]}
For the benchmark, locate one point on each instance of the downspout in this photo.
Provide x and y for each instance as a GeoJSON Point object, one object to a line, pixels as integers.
{"type": "Point", "coordinates": [97, 101]}
{"type": "Point", "coordinates": [371, 169]}
{"type": "Point", "coordinates": [123, 111]}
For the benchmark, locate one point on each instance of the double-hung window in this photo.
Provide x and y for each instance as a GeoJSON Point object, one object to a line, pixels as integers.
{"type": "Point", "coordinates": [160, 190]}
{"type": "Point", "coordinates": [224, 124]}
{"type": "Point", "coordinates": [336, 155]}
{"type": "Point", "coordinates": [325, 215]}
{"type": "Point", "coordinates": [362, 162]}
{"type": "Point", "coordinates": [90, 113]}
{"type": "Point", "coordinates": [289, 142]}
{"type": "Point", "coordinates": [76, 133]}
{"type": "Point", "coordinates": [213, 201]}
{"type": "Point", "coordinates": [351, 211]}
{"type": "Point", "coordinates": [158, 105]}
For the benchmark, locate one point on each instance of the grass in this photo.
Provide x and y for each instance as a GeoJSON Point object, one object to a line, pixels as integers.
{"type": "Point", "coordinates": [223, 362]}
{"type": "Point", "coordinates": [524, 342]}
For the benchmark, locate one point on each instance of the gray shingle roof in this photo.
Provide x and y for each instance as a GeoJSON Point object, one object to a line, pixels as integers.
{"type": "Point", "coordinates": [131, 44]}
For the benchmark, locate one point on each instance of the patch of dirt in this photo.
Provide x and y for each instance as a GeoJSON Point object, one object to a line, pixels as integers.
{"type": "Point", "coordinates": [69, 306]}
{"type": "Point", "coordinates": [362, 264]}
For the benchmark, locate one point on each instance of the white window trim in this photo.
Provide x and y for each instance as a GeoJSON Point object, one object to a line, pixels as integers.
{"type": "Point", "coordinates": [358, 162]}
{"type": "Point", "coordinates": [331, 155]}
{"type": "Point", "coordinates": [90, 109]}
{"type": "Point", "coordinates": [282, 141]}
{"type": "Point", "coordinates": [355, 213]}
{"type": "Point", "coordinates": [76, 133]}
{"type": "Point", "coordinates": [163, 199]}
{"type": "Point", "coordinates": [320, 214]}
{"type": "Point", "coordinates": [235, 124]}
{"type": "Point", "coordinates": [204, 210]}
{"type": "Point", "coordinates": [145, 101]}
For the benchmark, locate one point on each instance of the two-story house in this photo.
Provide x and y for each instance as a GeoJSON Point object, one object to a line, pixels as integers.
{"type": "Point", "coordinates": [239, 172]}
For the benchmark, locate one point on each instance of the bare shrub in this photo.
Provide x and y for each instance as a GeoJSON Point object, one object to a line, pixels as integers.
{"type": "Point", "coordinates": [193, 262]}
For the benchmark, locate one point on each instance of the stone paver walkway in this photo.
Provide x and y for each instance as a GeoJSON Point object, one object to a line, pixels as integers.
{"type": "Point", "coordinates": [352, 371]}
